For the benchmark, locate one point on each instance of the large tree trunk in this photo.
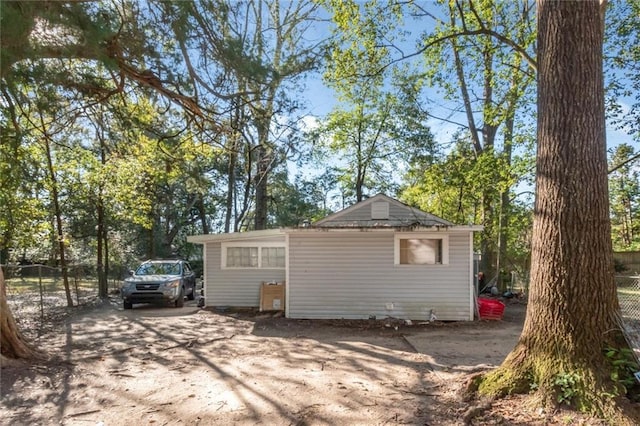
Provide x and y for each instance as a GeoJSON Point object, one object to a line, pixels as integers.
{"type": "Point", "coordinates": [573, 309]}
{"type": "Point", "coordinates": [12, 344]}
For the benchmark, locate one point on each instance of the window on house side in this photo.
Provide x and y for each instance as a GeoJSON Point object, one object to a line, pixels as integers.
{"type": "Point", "coordinates": [242, 257]}
{"type": "Point", "coordinates": [273, 257]}
{"type": "Point", "coordinates": [420, 251]}
{"type": "Point", "coordinates": [254, 257]}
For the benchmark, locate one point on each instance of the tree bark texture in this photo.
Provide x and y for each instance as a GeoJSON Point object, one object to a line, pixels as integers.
{"type": "Point", "coordinates": [261, 187]}
{"type": "Point", "coordinates": [573, 308]}
{"type": "Point", "coordinates": [573, 295]}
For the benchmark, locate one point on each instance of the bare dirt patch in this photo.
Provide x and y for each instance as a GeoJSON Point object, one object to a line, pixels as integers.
{"type": "Point", "coordinates": [171, 366]}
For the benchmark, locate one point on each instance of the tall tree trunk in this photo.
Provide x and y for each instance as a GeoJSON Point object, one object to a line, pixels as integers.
{"type": "Point", "coordinates": [360, 172]}
{"type": "Point", "coordinates": [487, 245]}
{"type": "Point", "coordinates": [263, 161]}
{"type": "Point", "coordinates": [231, 187]}
{"type": "Point", "coordinates": [237, 122]}
{"type": "Point", "coordinates": [504, 214]}
{"type": "Point", "coordinates": [106, 263]}
{"type": "Point", "coordinates": [58, 221]}
{"type": "Point", "coordinates": [202, 212]}
{"type": "Point", "coordinates": [573, 309]}
{"type": "Point", "coordinates": [101, 253]}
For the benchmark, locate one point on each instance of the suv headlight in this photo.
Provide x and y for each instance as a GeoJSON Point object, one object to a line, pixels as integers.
{"type": "Point", "coordinates": [172, 284]}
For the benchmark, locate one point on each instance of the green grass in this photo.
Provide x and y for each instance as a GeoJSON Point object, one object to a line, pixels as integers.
{"type": "Point", "coordinates": [32, 284]}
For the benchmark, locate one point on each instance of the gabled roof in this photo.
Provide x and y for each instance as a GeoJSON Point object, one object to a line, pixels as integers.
{"type": "Point", "coordinates": [373, 213]}
{"type": "Point", "coordinates": [378, 212]}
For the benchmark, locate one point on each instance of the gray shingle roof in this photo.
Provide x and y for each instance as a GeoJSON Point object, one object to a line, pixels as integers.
{"type": "Point", "coordinates": [399, 215]}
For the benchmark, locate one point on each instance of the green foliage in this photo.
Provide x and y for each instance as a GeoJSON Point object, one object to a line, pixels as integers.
{"type": "Point", "coordinates": [380, 123]}
{"type": "Point", "coordinates": [567, 386]}
{"type": "Point", "coordinates": [123, 144]}
{"type": "Point", "coordinates": [624, 196]}
{"type": "Point", "coordinates": [623, 366]}
{"type": "Point", "coordinates": [622, 65]}
{"type": "Point", "coordinates": [293, 204]}
{"type": "Point", "coordinates": [479, 54]}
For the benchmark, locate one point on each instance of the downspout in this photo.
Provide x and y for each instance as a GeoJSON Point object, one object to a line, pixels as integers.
{"type": "Point", "coordinates": [204, 273]}
{"type": "Point", "coordinates": [472, 292]}
{"type": "Point", "coordinates": [287, 281]}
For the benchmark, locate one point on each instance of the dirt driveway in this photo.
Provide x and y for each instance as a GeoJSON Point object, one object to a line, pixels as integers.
{"type": "Point", "coordinates": [169, 366]}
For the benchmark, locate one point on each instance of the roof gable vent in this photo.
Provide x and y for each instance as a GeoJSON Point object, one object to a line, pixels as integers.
{"type": "Point", "coordinates": [380, 210]}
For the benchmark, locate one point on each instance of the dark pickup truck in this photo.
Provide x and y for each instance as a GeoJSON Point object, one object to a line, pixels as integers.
{"type": "Point", "coordinates": [159, 281]}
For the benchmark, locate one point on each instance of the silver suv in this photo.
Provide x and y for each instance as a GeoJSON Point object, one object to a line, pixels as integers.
{"type": "Point", "coordinates": [164, 281]}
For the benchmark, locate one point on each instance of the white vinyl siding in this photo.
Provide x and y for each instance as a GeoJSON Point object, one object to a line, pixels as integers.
{"type": "Point", "coordinates": [237, 287]}
{"type": "Point", "coordinates": [354, 275]}
{"type": "Point", "coordinates": [351, 274]}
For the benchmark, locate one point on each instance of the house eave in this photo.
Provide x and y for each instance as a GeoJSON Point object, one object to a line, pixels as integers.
{"type": "Point", "coordinates": [253, 235]}
{"type": "Point", "coordinates": [235, 236]}
{"type": "Point", "coordinates": [409, 228]}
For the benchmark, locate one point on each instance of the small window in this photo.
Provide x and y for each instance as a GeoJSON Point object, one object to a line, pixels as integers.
{"type": "Point", "coordinates": [273, 257]}
{"type": "Point", "coordinates": [416, 249]}
{"type": "Point", "coordinates": [242, 257]}
{"type": "Point", "coordinates": [253, 256]}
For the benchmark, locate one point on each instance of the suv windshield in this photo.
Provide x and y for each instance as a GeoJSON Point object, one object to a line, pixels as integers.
{"type": "Point", "coordinates": [159, 269]}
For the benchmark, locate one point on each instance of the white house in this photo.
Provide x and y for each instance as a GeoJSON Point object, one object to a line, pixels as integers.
{"type": "Point", "coordinates": [379, 258]}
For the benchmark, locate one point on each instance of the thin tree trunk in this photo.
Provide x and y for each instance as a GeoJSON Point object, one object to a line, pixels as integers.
{"type": "Point", "coordinates": [102, 254]}
{"type": "Point", "coordinates": [233, 150]}
{"type": "Point", "coordinates": [231, 185]}
{"type": "Point", "coordinates": [262, 176]}
{"type": "Point", "coordinates": [202, 212]}
{"type": "Point", "coordinates": [58, 221]}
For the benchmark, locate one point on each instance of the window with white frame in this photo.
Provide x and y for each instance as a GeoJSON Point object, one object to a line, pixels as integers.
{"type": "Point", "coordinates": [242, 257]}
{"type": "Point", "coordinates": [247, 255]}
{"type": "Point", "coordinates": [272, 257]}
{"type": "Point", "coordinates": [421, 249]}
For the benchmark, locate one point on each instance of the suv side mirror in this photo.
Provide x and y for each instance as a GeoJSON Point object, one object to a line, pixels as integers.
{"type": "Point", "coordinates": [131, 272]}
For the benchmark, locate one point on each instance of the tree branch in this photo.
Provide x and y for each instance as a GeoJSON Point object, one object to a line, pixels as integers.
{"type": "Point", "coordinates": [624, 163]}
{"type": "Point", "coordinates": [483, 31]}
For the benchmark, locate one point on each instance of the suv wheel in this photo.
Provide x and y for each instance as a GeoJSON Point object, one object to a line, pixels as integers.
{"type": "Point", "coordinates": [127, 305]}
{"type": "Point", "coordinates": [180, 300]}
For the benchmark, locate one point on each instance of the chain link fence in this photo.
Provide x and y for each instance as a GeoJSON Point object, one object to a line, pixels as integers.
{"type": "Point", "coordinates": [36, 294]}
{"type": "Point", "coordinates": [629, 298]}
{"type": "Point", "coordinates": [37, 297]}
